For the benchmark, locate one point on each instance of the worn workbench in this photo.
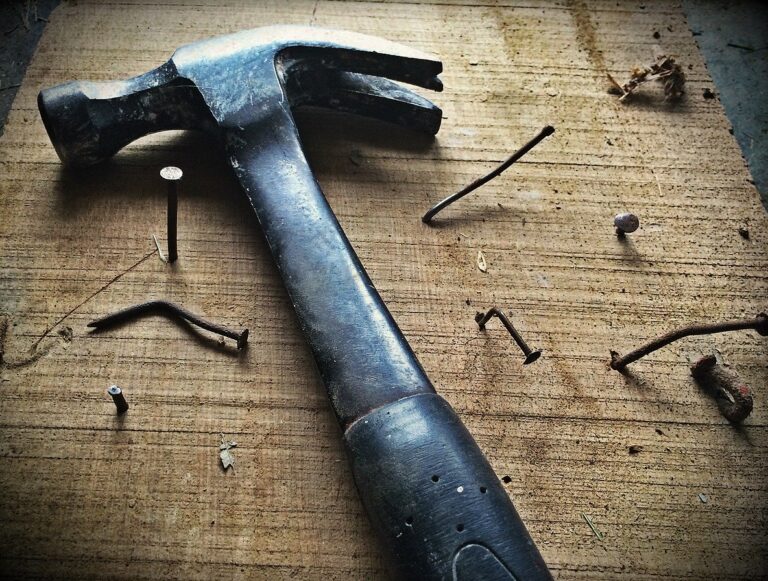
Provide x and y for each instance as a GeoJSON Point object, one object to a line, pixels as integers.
{"type": "Point", "coordinates": [86, 494]}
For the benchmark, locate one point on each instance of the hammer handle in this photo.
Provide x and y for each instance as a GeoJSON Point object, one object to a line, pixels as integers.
{"type": "Point", "coordinates": [428, 490]}
{"type": "Point", "coordinates": [363, 358]}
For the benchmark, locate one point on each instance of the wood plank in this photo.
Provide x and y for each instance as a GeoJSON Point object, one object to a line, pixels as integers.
{"type": "Point", "coordinates": [85, 494]}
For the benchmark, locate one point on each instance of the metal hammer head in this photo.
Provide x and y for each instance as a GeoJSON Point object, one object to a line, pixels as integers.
{"type": "Point", "coordinates": [239, 81]}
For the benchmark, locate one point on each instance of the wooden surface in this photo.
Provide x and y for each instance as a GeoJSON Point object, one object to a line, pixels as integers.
{"type": "Point", "coordinates": [85, 494]}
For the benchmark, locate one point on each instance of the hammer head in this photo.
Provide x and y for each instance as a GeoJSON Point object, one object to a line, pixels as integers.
{"type": "Point", "coordinates": [240, 81]}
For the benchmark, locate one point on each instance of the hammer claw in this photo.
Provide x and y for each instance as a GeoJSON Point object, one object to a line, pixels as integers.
{"type": "Point", "coordinates": [371, 97]}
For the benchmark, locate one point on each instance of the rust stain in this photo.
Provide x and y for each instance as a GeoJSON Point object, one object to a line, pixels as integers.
{"type": "Point", "coordinates": [586, 33]}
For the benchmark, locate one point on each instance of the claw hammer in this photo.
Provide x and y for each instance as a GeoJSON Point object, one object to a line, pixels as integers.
{"type": "Point", "coordinates": [429, 491]}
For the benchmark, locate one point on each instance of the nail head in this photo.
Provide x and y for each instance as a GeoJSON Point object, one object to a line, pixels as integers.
{"type": "Point", "coordinates": [242, 340]}
{"type": "Point", "coordinates": [626, 222]}
{"type": "Point", "coordinates": [532, 356]}
{"type": "Point", "coordinates": [171, 173]}
{"type": "Point", "coordinates": [118, 398]}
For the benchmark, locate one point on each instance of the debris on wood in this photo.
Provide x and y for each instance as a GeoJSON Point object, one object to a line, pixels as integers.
{"type": "Point", "coordinates": [227, 459]}
{"type": "Point", "coordinates": [4, 319]}
{"type": "Point", "coordinates": [635, 449]}
{"type": "Point", "coordinates": [703, 498]}
{"type": "Point", "coordinates": [159, 250]}
{"type": "Point", "coordinates": [744, 232]}
{"type": "Point", "coordinates": [481, 264]}
{"type": "Point", "coordinates": [600, 536]}
{"type": "Point", "coordinates": [665, 69]}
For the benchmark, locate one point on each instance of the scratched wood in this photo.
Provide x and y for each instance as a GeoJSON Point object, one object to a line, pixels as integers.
{"type": "Point", "coordinates": [86, 494]}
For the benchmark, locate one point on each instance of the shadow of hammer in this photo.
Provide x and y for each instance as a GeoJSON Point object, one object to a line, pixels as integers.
{"type": "Point", "coordinates": [429, 491]}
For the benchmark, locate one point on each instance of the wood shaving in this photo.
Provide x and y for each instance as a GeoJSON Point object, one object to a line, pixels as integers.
{"type": "Point", "coordinates": [600, 536]}
{"type": "Point", "coordinates": [481, 264]}
{"type": "Point", "coordinates": [665, 69]}
{"type": "Point", "coordinates": [227, 459]}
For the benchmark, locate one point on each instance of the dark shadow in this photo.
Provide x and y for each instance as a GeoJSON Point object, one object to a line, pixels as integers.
{"type": "Point", "coordinates": [451, 216]}
{"type": "Point", "coordinates": [632, 379]}
{"type": "Point", "coordinates": [323, 126]}
{"type": "Point", "coordinates": [628, 248]}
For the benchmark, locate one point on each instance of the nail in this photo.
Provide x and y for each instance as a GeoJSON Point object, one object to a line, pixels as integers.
{"type": "Point", "coordinates": [172, 175]}
{"type": "Point", "coordinates": [548, 130]}
{"type": "Point", "coordinates": [733, 396]}
{"type": "Point", "coordinates": [169, 308]}
{"type": "Point", "coordinates": [759, 324]}
{"type": "Point", "coordinates": [118, 398]}
{"type": "Point", "coordinates": [625, 223]}
{"type": "Point", "coordinates": [530, 354]}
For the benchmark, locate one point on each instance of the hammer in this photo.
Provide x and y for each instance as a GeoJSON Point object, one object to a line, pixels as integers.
{"type": "Point", "coordinates": [429, 491]}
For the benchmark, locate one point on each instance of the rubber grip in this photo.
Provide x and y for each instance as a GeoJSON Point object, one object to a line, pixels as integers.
{"type": "Point", "coordinates": [434, 499]}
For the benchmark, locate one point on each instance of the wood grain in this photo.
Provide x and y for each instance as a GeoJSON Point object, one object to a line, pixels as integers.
{"type": "Point", "coordinates": [85, 494]}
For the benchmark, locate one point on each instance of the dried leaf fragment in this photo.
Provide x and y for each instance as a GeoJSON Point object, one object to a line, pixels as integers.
{"type": "Point", "coordinates": [665, 69]}
{"type": "Point", "coordinates": [481, 264]}
{"type": "Point", "coordinates": [227, 459]}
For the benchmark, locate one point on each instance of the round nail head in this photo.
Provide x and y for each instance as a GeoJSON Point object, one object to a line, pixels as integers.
{"type": "Point", "coordinates": [171, 173]}
{"type": "Point", "coordinates": [118, 398]}
{"type": "Point", "coordinates": [242, 340]}
{"type": "Point", "coordinates": [762, 327]}
{"type": "Point", "coordinates": [626, 222]}
{"type": "Point", "coordinates": [532, 356]}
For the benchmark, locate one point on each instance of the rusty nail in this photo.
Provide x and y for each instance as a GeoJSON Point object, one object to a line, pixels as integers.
{"type": "Point", "coordinates": [167, 307]}
{"type": "Point", "coordinates": [531, 355]}
{"type": "Point", "coordinates": [759, 324]}
{"type": "Point", "coordinates": [118, 398]}
{"type": "Point", "coordinates": [427, 218]}
{"type": "Point", "coordinates": [172, 175]}
{"type": "Point", "coordinates": [733, 396]}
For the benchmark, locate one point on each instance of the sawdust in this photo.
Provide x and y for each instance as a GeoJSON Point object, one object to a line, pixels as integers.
{"type": "Point", "coordinates": [482, 265]}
